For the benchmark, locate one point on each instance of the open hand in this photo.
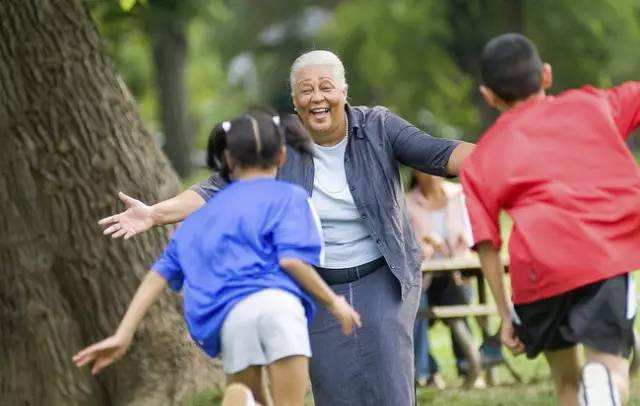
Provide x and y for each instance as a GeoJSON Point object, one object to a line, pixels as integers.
{"type": "Point", "coordinates": [104, 353]}
{"type": "Point", "coordinates": [509, 338]}
{"type": "Point", "coordinates": [137, 218]}
{"type": "Point", "coordinates": [345, 314]}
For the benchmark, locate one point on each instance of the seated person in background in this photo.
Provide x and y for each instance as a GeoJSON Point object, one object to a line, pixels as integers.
{"type": "Point", "coordinates": [439, 219]}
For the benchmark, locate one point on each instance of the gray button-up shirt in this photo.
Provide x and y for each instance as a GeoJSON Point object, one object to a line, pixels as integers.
{"type": "Point", "coordinates": [379, 141]}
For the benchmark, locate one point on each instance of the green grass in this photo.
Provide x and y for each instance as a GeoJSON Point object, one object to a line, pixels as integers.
{"type": "Point", "coordinates": [537, 389]}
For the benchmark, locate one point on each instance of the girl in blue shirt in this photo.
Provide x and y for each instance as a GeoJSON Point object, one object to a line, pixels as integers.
{"type": "Point", "coordinates": [243, 262]}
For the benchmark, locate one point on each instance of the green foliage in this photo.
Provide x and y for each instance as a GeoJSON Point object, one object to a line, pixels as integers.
{"type": "Point", "coordinates": [417, 57]}
{"type": "Point", "coordinates": [127, 5]}
{"type": "Point", "coordinates": [124, 28]}
{"type": "Point", "coordinates": [396, 55]}
{"type": "Point", "coordinates": [587, 41]}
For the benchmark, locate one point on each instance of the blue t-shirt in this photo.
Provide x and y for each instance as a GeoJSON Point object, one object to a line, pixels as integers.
{"type": "Point", "coordinates": [231, 247]}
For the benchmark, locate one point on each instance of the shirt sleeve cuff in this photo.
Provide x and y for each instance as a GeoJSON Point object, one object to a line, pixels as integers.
{"type": "Point", "coordinates": [174, 283]}
{"type": "Point", "coordinates": [311, 258]}
{"type": "Point", "coordinates": [200, 191]}
{"type": "Point", "coordinates": [495, 241]}
{"type": "Point", "coordinates": [453, 146]}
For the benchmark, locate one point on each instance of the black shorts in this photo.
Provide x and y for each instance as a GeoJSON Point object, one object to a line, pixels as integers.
{"type": "Point", "coordinates": [599, 315]}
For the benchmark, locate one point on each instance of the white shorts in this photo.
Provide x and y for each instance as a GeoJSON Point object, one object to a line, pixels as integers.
{"type": "Point", "coordinates": [262, 328]}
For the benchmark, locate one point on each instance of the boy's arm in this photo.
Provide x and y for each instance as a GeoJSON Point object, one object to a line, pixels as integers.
{"type": "Point", "coordinates": [112, 348]}
{"type": "Point", "coordinates": [309, 279]}
{"type": "Point", "coordinates": [493, 272]}
{"type": "Point", "coordinates": [625, 102]}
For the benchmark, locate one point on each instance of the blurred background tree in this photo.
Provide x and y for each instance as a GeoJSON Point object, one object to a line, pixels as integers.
{"type": "Point", "coordinates": [417, 57]}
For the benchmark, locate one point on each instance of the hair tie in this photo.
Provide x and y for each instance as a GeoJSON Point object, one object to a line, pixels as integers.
{"type": "Point", "coordinates": [276, 120]}
{"type": "Point", "coordinates": [226, 126]}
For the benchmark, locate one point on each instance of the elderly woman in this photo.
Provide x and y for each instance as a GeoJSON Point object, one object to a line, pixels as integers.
{"type": "Point", "coordinates": [371, 255]}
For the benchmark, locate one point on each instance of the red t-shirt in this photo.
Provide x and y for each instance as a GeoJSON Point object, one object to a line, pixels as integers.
{"type": "Point", "coordinates": [560, 168]}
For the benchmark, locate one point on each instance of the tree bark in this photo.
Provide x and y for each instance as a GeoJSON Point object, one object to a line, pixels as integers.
{"type": "Point", "coordinates": [167, 32]}
{"type": "Point", "coordinates": [71, 138]}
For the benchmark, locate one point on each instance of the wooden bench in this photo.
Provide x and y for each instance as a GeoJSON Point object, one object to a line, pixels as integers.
{"type": "Point", "coordinates": [468, 266]}
{"type": "Point", "coordinates": [447, 312]}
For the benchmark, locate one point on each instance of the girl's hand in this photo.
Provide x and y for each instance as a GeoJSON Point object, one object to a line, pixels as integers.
{"type": "Point", "coordinates": [104, 352]}
{"type": "Point", "coordinates": [345, 314]}
{"type": "Point", "coordinates": [136, 219]}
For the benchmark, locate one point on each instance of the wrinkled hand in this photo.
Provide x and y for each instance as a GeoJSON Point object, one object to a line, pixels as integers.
{"type": "Point", "coordinates": [136, 219]}
{"type": "Point", "coordinates": [509, 338]}
{"type": "Point", "coordinates": [104, 353]}
{"type": "Point", "coordinates": [345, 314]}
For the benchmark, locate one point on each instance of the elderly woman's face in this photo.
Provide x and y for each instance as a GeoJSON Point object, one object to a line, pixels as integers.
{"type": "Point", "coordinates": [319, 99]}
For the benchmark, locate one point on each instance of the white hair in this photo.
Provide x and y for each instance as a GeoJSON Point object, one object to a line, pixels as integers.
{"type": "Point", "coordinates": [319, 58]}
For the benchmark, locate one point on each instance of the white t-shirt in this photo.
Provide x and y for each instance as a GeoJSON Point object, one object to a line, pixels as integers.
{"type": "Point", "coordinates": [438, 219]}
{"type": "Point", "coordinates": [346, 237]}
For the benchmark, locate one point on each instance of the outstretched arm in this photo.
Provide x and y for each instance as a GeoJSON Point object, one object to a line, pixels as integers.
{"type": "Point", "coordinates": [625, 103]}
{"type": "Point", "coordinates": [457, 157]}
{"type": "Point", "coordinates": [309, 279]}
{"type": "Point", "coordinates": [105, 352]}
{"type": "Point", "coordinates": [139, 217]}
{"type": "Point", "coordinates": [177, 208]}
{"type": "Point", "coordinates": [418, 150]}
{"type": "Point", "coordinates": [493, 272]}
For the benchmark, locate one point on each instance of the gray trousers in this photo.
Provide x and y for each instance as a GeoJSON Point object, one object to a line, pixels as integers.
{"type": "Point", "coordinates": [373, 366]}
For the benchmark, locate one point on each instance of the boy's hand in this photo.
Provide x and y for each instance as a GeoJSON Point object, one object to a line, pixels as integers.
{"type": "Point", "coordinates": [104, 352]}
{"type": "Point", "coordinates": [345, 314]}
{"type": "Point", "coordinates": [509, 338]}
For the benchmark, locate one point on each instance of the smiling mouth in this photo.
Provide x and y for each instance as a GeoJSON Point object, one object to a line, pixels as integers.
{"type": "Point", "coordinates": [320, 111]}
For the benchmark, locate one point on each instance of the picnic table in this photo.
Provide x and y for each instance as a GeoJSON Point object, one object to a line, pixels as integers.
{"type": "Point", "coordinates": [469, 265]}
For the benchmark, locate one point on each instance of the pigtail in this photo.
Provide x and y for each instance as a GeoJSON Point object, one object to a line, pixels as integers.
{"type": "Point", "coordinates": [216, 145]}
{"type": "Point", "coordinates": [295, 135]}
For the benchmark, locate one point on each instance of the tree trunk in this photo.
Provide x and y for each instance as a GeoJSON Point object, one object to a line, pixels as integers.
{"type": "Point", "coordinates": [514, 15]}
{"type": "Point", "coordinates": [470, 27]}
{"type": "Point", "coordinates": [167, 32]}
{"type": "Point", "coordinates": [71, 138]}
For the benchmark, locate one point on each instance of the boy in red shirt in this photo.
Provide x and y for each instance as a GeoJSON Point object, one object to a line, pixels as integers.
{"type": "Point", "coordinates": [560, 168]}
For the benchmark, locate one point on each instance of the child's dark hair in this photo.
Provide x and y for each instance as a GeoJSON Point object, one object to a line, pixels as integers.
{"type": "Point", "coordinates": [255, 141]}
{"type": "Point", "coordinates": [511, 67]}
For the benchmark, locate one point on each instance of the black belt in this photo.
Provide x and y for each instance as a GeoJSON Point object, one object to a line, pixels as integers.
{"type": "Point", "coordinates": [338, 276]}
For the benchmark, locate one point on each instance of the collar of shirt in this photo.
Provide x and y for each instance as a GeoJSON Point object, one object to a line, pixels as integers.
{"type": "Point", "coordinates": [355, 118]}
